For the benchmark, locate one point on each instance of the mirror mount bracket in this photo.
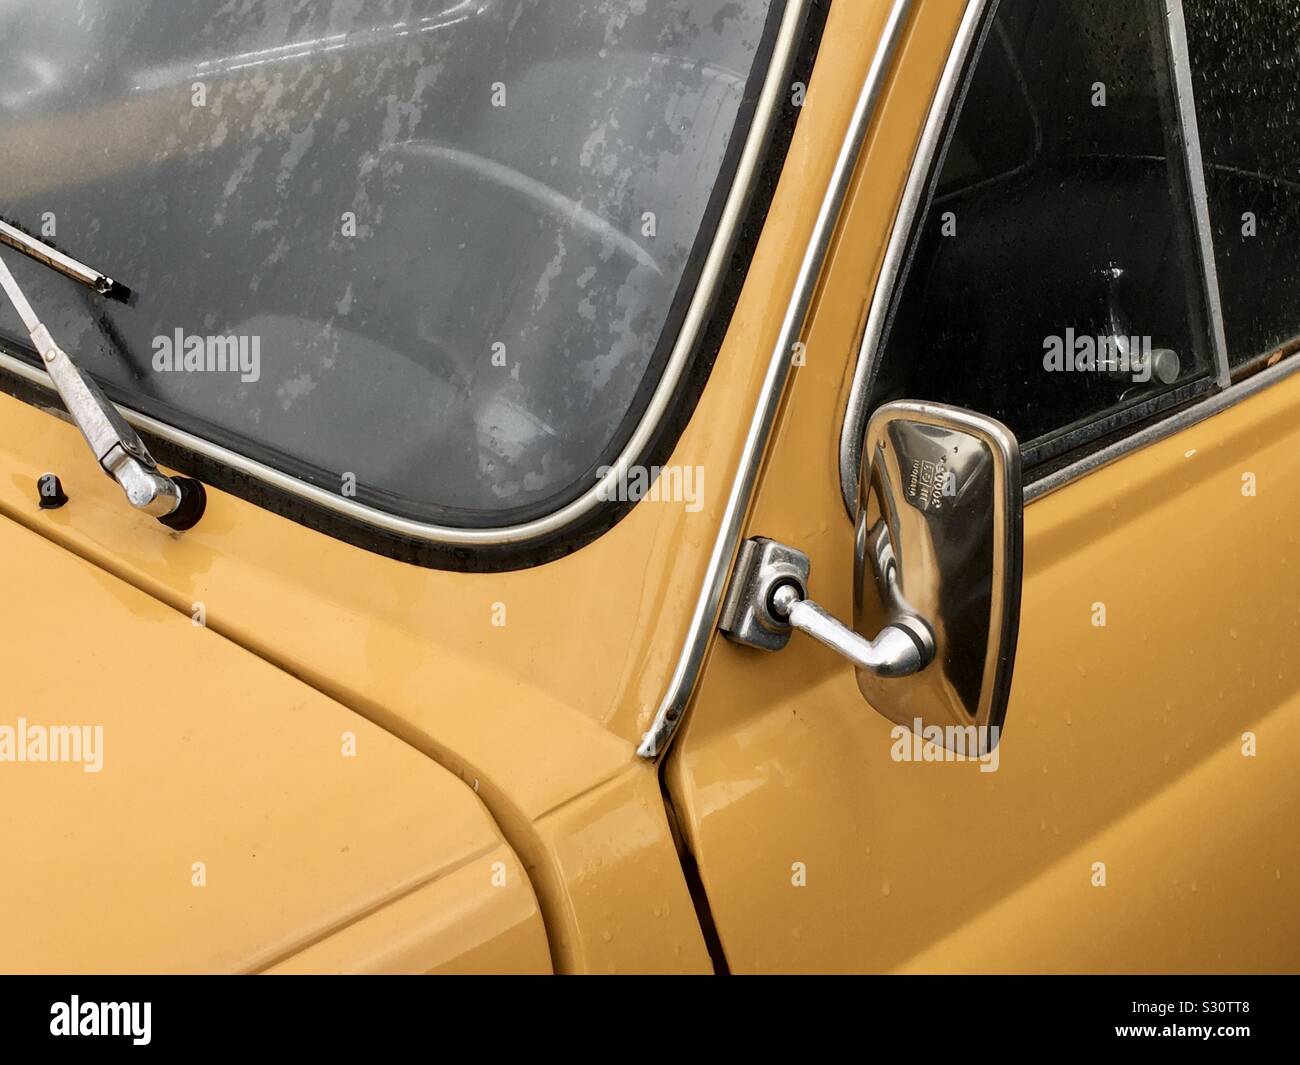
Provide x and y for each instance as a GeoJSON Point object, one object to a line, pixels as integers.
{"type": "Point", "coordinates": [768, 600]}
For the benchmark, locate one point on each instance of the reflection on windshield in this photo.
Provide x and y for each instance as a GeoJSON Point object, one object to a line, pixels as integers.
{"type": "Point", "coordinates": [454, 232]}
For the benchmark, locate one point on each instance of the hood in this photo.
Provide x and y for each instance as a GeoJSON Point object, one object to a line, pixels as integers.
{"type": "Point", "coordinates": [172, 803]}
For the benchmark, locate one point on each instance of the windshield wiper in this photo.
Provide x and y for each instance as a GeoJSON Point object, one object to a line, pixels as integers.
{"type": "Point", "coordinates": [177, 502]}
{"type": "Point", "coordinates": [64, 264]}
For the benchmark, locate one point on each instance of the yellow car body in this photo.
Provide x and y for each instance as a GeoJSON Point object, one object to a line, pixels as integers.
{"type": "Point", "coordinates": [370, 772]}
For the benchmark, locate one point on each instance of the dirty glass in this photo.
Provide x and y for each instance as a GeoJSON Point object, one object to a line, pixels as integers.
{"type": "Point", "coordinates": [1052, 281]}
{"type": "Point", "coordinates": [1246, 73]}
{"type": "Point", "coordinates": [442, 247]}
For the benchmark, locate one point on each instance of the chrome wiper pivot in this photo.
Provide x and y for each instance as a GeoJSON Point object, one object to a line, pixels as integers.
{"type": "Point", "coordinates": [177, 502]}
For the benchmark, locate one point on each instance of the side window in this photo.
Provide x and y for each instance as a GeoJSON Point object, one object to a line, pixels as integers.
{"type": "Point", "coordinates": [1053, 279]}
{"type": "Point", "coordinates": [1246, 70]}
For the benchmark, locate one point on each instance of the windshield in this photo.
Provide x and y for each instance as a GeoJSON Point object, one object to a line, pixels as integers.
{"type": "Point", "coordinates": [430, 255]}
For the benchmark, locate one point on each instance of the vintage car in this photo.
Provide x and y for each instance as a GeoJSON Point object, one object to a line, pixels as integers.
{"type": "Point", "coordinates": [664, 486]}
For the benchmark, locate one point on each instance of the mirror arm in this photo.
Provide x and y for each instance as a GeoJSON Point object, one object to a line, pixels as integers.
{"type": "Point", "coordinates": [767, 601]}
{"type": "Point", "coordinates": [903, 647]}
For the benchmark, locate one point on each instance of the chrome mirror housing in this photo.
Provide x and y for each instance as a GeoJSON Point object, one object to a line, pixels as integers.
{"type": "Point", "coordinates": [939, 542]}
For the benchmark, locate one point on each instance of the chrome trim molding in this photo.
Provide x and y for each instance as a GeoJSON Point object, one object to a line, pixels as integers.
{"type": "Point", "coordinates": [1152, 434]}
{"type": "Point", "coordinates": [707, 608]}
{"type": "Point", "coordinates": [864, 374]}
{"type": "Point", "coordinates": [697, 316]}
{"type": "Point", "coordinates": [1176, 28]}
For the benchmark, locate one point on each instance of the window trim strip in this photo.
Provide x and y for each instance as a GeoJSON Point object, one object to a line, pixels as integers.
{"type": "Point", "coordinates": [703, 623]}
{"type": "Point", "coordinates": [1200, 411]}
{"type": "Point", "coordinates": [1185, 93]}
{"type": "Point", "coordinates": [696, 321]}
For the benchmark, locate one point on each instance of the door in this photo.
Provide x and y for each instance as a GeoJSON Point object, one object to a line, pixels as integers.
{"type": "Point", "coordinates": [1110, 270]}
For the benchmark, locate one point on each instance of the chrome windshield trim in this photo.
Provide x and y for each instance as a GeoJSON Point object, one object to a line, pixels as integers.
{"type": "Point", "coordinates": [707, 608]}
{"type": "Point", "coordinates": [864, 373]}
{"type": "Point", "coordinates": [716, 262]}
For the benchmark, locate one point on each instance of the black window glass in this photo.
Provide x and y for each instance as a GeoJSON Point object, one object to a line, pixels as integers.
{"type": "Point", "coordinates": [1246, 72]}
{"type": "Point", "coordinates": [1053, 281]}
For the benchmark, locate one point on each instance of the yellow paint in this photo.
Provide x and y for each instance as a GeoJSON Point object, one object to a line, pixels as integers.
{"type": "Point", "coordinates": [1121, 743]}
{"type": "Point", "coordinates": [223, 827]}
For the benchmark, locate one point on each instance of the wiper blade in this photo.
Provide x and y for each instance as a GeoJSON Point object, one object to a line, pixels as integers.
{"type": "Point", "coordinates": [177, 502]}
{"type": "Point", "coordinates": [64, 264]}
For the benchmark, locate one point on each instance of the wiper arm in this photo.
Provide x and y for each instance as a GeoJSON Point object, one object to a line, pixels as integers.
{"type": "Point", "coordinates": [177, 502]}
{"type": "Point", "coordinates": [64, 264]}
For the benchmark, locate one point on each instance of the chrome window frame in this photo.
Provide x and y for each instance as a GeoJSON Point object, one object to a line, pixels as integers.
{"type": "Point", "coordinates": [693, 327]}
{"type": "Point", "coordinates": [945, 105]}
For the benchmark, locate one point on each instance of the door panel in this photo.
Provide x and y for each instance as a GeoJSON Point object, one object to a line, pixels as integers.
{"type": "Point", "coordinates": [1137, 815]}
{"type": "Point", "coordinates": [1123, 742]}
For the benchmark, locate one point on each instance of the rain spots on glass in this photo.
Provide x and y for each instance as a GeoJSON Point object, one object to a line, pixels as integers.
{"type": "Point", "coordinates": [458, 230]}
{"type": "Point", "coordinates": [1246, 74]}
{"type": "Point", "coordinates": [1053, 277]}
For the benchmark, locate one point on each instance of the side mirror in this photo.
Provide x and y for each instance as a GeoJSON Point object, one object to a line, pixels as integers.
{"type": "Point", "coordinates": [937, 575]}
{"type": "Point", "coordinates": [939, 538]}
